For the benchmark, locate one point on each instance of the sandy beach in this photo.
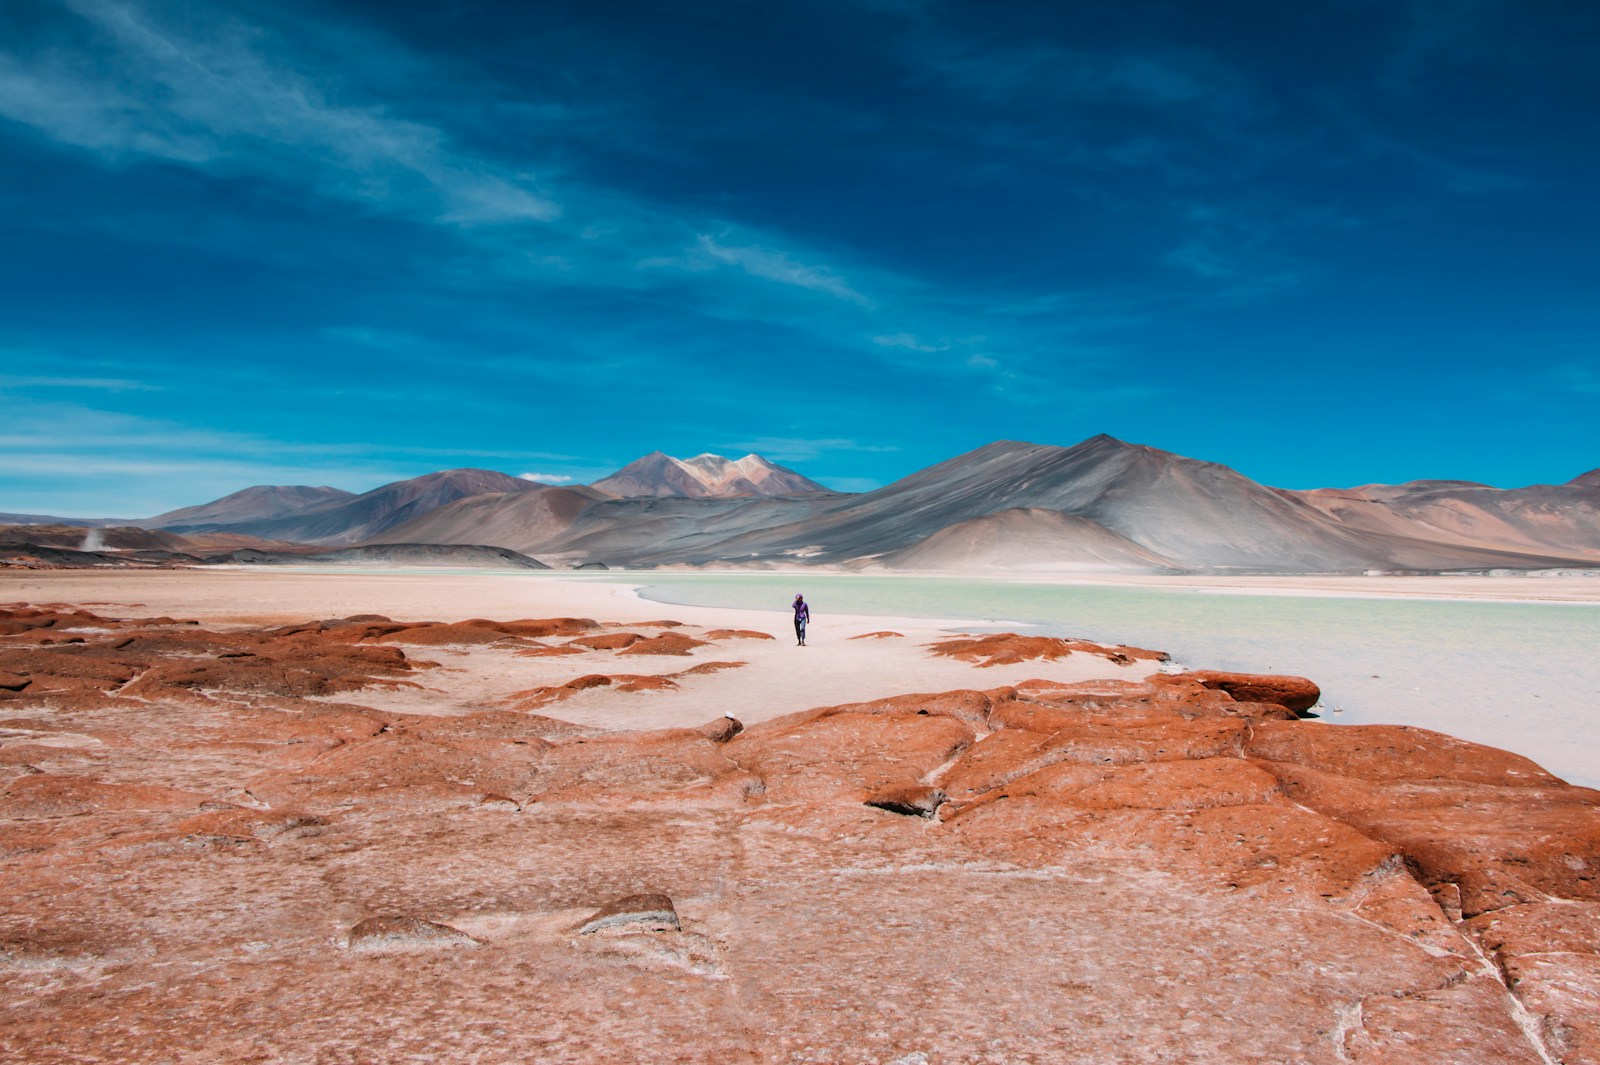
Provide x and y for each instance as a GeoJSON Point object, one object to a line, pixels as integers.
{"type": "Point", "coordinates": [774, 677]}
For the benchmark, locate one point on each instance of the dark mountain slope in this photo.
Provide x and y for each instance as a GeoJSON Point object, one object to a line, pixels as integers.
{"type": "Point", "coordinates": [357, 518]}
{"type": "Point", "coordinates": [522, 521]}
{"type": "Point", "coordinates": [258, 503]}
{"type": "Point", "coordinates": [1030, 540]}
{"type": "Point", "coordinates": [1198, 514]}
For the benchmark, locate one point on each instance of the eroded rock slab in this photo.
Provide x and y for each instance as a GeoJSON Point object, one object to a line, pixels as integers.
{"type": "Point", "coordinates": [192, 822]}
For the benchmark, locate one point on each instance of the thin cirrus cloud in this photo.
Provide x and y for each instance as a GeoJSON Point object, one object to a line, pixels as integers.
{"type": "Point", "coordinates": [66, 455]}
{"type": "Point", "coordinates": [216, 101]}
{"type": "Point", "coordinates": [92, 384]}
{"type": "Point", "coordinates": [228, 99]}
{"type": "Point", "coordinates": [909, 342]}
{"type": "Point", "coordinates": [805, 449]}
{"type": "Point", "coordinates": [779, 267]}
{"type": "Point", "coordinates": [1153, 78]}
{"type": "Point", "coordinates": [231, 99]}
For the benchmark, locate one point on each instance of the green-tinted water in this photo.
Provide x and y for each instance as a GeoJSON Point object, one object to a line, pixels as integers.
{"type": "Point", "coordinates": [1516, 675]}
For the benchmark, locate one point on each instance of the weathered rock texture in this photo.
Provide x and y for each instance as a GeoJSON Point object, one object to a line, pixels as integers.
{"type": "Point", "coordinates": [210, 852]}
{"type": "Point", "coordinates": [1007, 648]}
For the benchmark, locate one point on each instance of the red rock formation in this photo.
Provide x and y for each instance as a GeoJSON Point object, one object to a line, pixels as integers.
{"type": "Point", "coordinates": [1293, 693]}
{"type": "Point", "coordinates": [479, 631]}
{"type": "Point", "coordinates": [610, 641]}
{"type": "Point", "coordinates": [1156, 867]}
{"type": "Point", "coordinates": [668, 643]}
{"type": "Point", "coordinates": [541, 650]}
{"type": "Point", "coordinates": [1007, 648]}
{"type": "Point", "coordinates": [535, 698]}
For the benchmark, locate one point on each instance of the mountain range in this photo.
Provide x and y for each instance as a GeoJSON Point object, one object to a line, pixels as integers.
{"type": "Point", "coordinates": [1103, 505]}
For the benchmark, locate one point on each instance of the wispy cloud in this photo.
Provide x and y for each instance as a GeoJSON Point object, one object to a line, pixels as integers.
{"type": "Point", "coordinates": [95, 384]}
{"type": "Point", "coordinates": [774, 265]}
{"type": "Point", "coordinates": [100, 462]}
{"type": "Point", "coordinates": [222, 97]}
{"type": "Point", "coordinates": [238, 100]}
{"type": "Point", "coordinates": [909, 342]}
{"type": "Point", "coordinates": [803, 449]}
{"type": "Point", "coordinates": [546, 478]}
{"type": "Point", "coordinates": [1579, 379]}
{"type": "Point", "coordinates": [1152, 77]}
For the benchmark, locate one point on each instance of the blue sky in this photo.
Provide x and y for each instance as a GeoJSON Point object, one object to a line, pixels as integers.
{"type": "Point", "coordinates": [342, 243]}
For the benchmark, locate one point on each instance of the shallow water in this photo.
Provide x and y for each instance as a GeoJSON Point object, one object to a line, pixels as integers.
{"type": "Point", "coordinates": [1520, 676]}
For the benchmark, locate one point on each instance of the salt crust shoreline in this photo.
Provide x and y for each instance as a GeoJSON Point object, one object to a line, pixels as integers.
{"type": "Point", "coordinates": [1531, 588]}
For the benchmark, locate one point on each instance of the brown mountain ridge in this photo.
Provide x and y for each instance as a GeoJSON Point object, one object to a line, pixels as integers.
{"type": "Point", "coordinates": [1103, 505]}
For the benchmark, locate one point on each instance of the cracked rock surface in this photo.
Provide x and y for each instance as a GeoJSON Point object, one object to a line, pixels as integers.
{"type": "Point", "coordinates": [228, 845]}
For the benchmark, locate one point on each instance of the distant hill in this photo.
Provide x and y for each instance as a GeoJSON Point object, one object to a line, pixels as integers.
{"type": "Point", "coordinates": [251, 504]}
{"type": "Point", "coordinates": [348, 519]}
{"type": "Point", "coordinates": [648, 531]}
{"type": "Point", "coordinates": [1560, 520]}
{"type": "Point", "coordinates": [1029, 540]}
{"type": "Point", "coordinates": [455, 556]}
{"type": "Point", "coordinates": [30, 555]}
{"type": "Point", "coordinates": [522, 521]}
{"type": "Point", "coordinates": [95, 538]}
{"type": "Point", "coordinates": [704, 476]}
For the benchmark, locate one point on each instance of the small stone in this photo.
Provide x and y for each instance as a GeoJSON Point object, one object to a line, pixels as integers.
{"type": "Point", "coordinates": [915, 800]}
{"type": "Point", "coordinates": [656, 911]}
{"type": "Point", "coordinates": [1295, 693]}
{"type": "Point", "coordinates": [388, 932]}
{"type": "Point", "coordinates": [722, 729]}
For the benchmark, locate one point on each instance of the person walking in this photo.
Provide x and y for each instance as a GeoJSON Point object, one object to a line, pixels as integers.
{"type": "Point", "coordinates": [802, 614]}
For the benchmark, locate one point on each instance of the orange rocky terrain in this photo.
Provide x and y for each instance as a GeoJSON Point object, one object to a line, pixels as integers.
{"type": "Point", "coordinates": [334, 842]}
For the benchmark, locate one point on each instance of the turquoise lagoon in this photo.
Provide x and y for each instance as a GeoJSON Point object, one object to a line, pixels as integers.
{"type": "Point", "coordinates": [1521, 676]}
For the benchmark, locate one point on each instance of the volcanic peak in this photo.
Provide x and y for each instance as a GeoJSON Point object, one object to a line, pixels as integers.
{"type": "Point", "coordinates": [704, 476]}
